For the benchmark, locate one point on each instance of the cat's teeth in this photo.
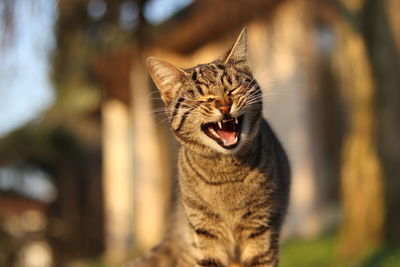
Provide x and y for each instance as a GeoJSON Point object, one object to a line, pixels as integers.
{"type": "Point", "coordinates": [214, 132]}
{"type": "Point", "coordinates": [236, 121]}
{"type": "Point", "coordinates": [220, 124]}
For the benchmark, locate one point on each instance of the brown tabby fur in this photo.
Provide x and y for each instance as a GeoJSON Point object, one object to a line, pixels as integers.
{"type": "Point", "coordinates": [231, 201]}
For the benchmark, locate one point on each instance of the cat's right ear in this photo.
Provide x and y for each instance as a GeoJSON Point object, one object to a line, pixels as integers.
{"type": "Point", "coordinates": [166, 76]}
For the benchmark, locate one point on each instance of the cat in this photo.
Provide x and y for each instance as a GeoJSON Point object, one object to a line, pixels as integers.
{"type": "Point", "coordinates": [233, 173]}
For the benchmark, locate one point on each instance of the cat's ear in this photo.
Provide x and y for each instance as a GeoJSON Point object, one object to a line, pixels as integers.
{"type": "Point", "coordinates": [166, 77]}
{"type": "Point", "coordinates": [238, 53]}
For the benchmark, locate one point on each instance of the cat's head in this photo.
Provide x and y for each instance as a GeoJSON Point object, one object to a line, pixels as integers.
{"type": "Point", "coordinates": [215, 106]}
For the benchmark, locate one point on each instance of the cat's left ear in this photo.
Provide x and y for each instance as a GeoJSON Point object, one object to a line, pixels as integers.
{"type": "Point", "coordinates": [238, 54]}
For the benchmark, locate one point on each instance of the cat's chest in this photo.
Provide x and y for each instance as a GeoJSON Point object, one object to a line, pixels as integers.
{"type": "Point", "coordinates": [230, 197]}
{"type": "Point", "coordinates": [232, 202]}
{"type": "Point", "coordinates": [224, 192]}
{"type": "Point", "coordinates": [227, 195]}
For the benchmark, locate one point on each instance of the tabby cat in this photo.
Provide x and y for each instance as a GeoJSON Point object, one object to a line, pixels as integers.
{"type": "Point", "coordinates": [234, 176]}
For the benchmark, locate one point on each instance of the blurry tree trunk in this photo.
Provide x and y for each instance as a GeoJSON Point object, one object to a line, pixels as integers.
{"type": "Point", "coordinates": [286, 67]}
{"type": "Point", "coordinates": [381, 30]}
{"type": "Point", "coordinates": [151, 179]}
{"type": "Point", "coordinates": [362, 187]}
{"type": "Point", "coordinates": [117, 180]}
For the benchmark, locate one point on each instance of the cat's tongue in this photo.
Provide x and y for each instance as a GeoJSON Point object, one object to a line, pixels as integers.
{"type": "Point", "coordinates": [225, 132]}
{"type": "Point", "coordinates": [228, 137]}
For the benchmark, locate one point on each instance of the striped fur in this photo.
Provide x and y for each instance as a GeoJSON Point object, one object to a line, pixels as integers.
{"type": "Point", "coordinates": [231, 201]}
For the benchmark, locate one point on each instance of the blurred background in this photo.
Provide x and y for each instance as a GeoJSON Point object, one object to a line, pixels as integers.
{"type": "Point", "coordinates": [87, 163]}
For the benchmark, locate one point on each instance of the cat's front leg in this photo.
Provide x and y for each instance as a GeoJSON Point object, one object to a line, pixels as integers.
{"type": "Point", "coordinates": [208, 233]}
{"type": "Point", "coordinates": [209, 250]}
{"type": "Point", "coordinates": [260, 248]}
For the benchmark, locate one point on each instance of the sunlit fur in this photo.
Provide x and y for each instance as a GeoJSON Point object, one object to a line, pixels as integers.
{"type": "Point", "coordinates": [231, 201]}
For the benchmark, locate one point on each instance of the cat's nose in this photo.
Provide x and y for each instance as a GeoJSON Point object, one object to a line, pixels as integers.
{"type": "Point", "coordinates": [224, 105]}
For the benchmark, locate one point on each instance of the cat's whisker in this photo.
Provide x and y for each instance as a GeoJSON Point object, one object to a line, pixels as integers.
{"type": "Point", "coordinates": [255, 94]}
{"type": "Point", "coordinates": [251, 84]}
{"type": "Point", "coordinates": [153, 98]}
{"type": "Point", "coordinates": [270, 82]}
{"type": "Point", "coordinates": [260, 97]}
{"type": "Point", "coordinates": [153, 93]}
{"type": "Point", "coordinates": [250, 104]}
{"type": "Point", "coordinates": [268, 95]}
{"type": "Point", "coordinates": [276, 88]}
{"type": "Point", "coordinates": [161, 115]}
{"type": "Point", "coordinates": [254, 101]}
{"type": "Point", "coordinates": [155, 112]}
{"type": "Point", "coordinates": [161, 119]}
{"type": "Point", "coordinates": [161, 109]}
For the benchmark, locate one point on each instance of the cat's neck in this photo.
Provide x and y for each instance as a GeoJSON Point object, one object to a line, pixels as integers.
{"type": "Point", "coordinates": [220, 168]}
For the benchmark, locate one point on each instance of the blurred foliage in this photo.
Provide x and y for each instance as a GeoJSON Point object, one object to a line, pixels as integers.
{"type": "Point", "coordinates": [323, 252]}
{"type": "Point", "coordinates": [39, 145]}
{"type": "Point", "coordinates": [387, 256]}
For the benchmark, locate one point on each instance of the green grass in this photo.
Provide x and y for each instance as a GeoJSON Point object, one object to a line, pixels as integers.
{"type": "Point", "coordinates": [309, 253]}
{"type": "Point", "coordinates": [387, 256]}
{"type": "Point", "coordinates": [322, 253]}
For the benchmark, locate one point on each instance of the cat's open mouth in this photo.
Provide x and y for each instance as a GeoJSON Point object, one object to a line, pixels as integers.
{"type": "Point", "coordinates": [225, 132]}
